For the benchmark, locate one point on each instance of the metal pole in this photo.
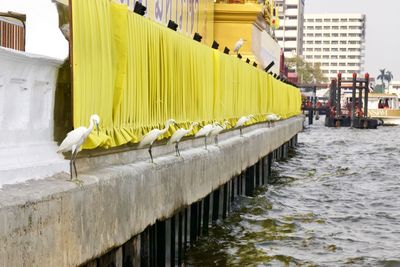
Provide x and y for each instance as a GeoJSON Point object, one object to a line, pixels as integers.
{"type": "Point", "coordinates": [338, 99]}
{"type": "Point", "coordinates": [353, 98]}
{"type": "Point", "coordinates": [366, 95]}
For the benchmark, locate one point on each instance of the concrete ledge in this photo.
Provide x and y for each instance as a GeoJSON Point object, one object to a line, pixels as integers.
{"type": "Point", "coordinates": [53, 222]}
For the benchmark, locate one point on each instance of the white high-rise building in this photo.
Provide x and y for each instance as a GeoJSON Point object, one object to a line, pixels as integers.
{"type": "Point", "coordinates": [336, 41]}
{"type": "Point", "coordinates": [290, 32]}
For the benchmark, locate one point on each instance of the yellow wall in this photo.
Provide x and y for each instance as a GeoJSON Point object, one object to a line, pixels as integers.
{"type": "Point", "coordinates": [191, 15]}
{"type": "Point", "coordinates": [235, 21]}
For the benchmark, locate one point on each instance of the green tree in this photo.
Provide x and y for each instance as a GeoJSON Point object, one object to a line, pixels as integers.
{"type": "Point", "coordinates": [388, 77]}
{"type": "Point", "coordinates": [306, 72]}
{"type": "Point", "coordinates": [381, 76]}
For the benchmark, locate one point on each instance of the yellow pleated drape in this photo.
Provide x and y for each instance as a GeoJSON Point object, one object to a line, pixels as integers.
{"type": "Point", "coordinates": [136, 74]}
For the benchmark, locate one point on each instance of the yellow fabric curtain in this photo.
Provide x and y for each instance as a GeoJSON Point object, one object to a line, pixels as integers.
{"type": "Point", "coordinates": [136, 74]}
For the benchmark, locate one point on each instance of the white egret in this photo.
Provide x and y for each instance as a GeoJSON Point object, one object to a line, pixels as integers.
{"type": "Point", "coordinates": [75, 139]}
{"type": "Point", "coordinates": [217, 130]}
{"type": "Point", "coordinates": [178, 135]}
{"type": "Point", "coordinates": [272, 118]}
{"type": "Point", "coordinates": [205, 131]}
{"type": "Point", "coordinates": [238, 45]}
{"type": "Point", "coordinates": [152, 136]}
{"type": "Point", "coordinates": [241, 122]}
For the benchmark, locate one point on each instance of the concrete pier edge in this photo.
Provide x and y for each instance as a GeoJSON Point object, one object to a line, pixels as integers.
{"type": "Point", "coordinates": [53, 222]}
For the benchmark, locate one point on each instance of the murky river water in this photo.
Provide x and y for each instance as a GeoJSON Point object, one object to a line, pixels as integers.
{"type": "Point", "coordinates": [336, 203]}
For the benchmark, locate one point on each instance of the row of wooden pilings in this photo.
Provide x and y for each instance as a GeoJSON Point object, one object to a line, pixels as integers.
{"type": "Point", "coordinates": [165, 242]}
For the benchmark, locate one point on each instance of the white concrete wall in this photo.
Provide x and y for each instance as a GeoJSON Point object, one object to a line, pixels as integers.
{"type": "Point", "coordinates": [53, 222]}
{"type": "Point", "coordinates": [265, 49]}
{"type": "Point", "coordinates": [27, 88]}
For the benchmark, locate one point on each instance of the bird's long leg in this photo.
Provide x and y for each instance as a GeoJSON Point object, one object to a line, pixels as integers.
{"type": "Point", "coordinates": [176, 149]}
{"type": "Point", "coordinates": [151, 156]}
{"type": "Point", "coordinates": [241, 133]}
{"type": "Point", "coordinates": [70, 167]}
{"type": "Point", "coordinates": [73, 161]}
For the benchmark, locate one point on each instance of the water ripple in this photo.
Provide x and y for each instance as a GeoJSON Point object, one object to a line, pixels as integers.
{"type": "Point", "coordinates": [336, 203]}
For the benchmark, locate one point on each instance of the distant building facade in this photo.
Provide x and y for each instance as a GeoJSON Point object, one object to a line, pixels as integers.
{"type": "Point", "coordinates": [290, 32]}
{"type": "Point", "coordinates": [336, 41]}
{"type": "Point", "coordinates": [12, 30]}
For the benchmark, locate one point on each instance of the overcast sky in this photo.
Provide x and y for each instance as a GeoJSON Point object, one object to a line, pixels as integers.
{"type": "Point", "coordinates": [42, 36]}
{"type": "Point", "coordinates": [382, 33]}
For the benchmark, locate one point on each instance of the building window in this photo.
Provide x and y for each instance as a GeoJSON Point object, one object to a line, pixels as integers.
{"type": "Point", "coordinates": [335, 35]}
{"type": "Point", "coordinates": [310, 35]}
{"type": "Point", "coordinates": [310, 42]}
{"type": "Point", "coordinates": [334, 57]}
{"type": "Point", "coordinates": [343, 35]}
{"type": "Point", "coordinates": [291, 6]}
{"type": "Point", "coordinates": [334, 64]}
{"type": "Point", "coordinates": [318, 27]}
{"type": "Point", "coordinates": [291, 17]}
{"type": "Point", "coordinates": [325, 56]}
{"type": "Point", "coordinates": [318, 20]}
{"type": "Point", "coordinates": [343, 42]}
{"type": "Point", "coordinates": [309, 57]}
{"type": "Point", "coordinates": [334, 42]}
{"type": "Point", "coordinates": [325, 64]}
{"type": "Point", "coordinates": [318, 35]}
{"type": "Point", "coordinates": [310, 20]}
{"type": "Point", "coordinates": [327, 27]}
{"type": "Point", "coordinates": [327, 35]}
{"type": "Point", "coordinates": [334, 49]}
{"type": "Point", "coordinates": [342, 56]}
{"type": "Point", "coordinates": [309, 49]}
{"type": "Point", "coordinates": [291, 28]}
{"type": "Point", "coordinates": [310, 27]}
{"type": "Point", "coordinates": [317, 56]}
{"type": "Point", "coordinates": [343, 20]}
{"type": "Point", "coordinates": [342, 64]}
{"type": "Point", "coordinates": [342, 49]}
{"type": "Point", "coordinates": [317, 49]}
{"type": "Point", "coordinates": [326, 42]}
{"type": "Point", "coordinates": [343, 27]}
{"type": "Point", "coordinates": [335, 20]}
{"type": "Point", "coordinates": [325, 71]}
{"type": "Point", "coordinates": [327, 20]}
{"type": "Point", "coordinates": [326, 49]}
{"type": "Point", "coordinates": [333, 71]}
{"type": "Point", "coordinates": [335, 27]}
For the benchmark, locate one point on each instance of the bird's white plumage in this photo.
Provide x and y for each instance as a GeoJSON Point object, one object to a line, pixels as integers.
{"type": "Point", "coordinates": [219, 128]}
{"type": "Point", "coordinates": [152, 136]}
{"type": "Point", "coordinates": [238, 45]}
{"type": "Point", "coordinates": [242, 120]}
{"type": "Point", "coordinates": [205, 131]}
{"type": "Point", "coordinates": [75, 138]}
{"type": "Point", "coordinates": [273, 117]}
{"type": "Point", "coordinates": [180, 133]}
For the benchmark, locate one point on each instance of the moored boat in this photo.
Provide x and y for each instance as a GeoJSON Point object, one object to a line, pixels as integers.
{"type": "Point", "coordinates": [384, 107]}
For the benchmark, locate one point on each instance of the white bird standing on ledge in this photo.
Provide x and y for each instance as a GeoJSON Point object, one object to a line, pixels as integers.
{"type": "Point", "coordinates": [238, 45]}
{"type": "Point", "coordinates": [217, 130]}
{"type": "Point", "coordinates": [152, 136]}
{"type": "Point", "coordinates": [240, 123]}
{"type": "Point", "coordinates": [205, 131]}
{"type": "Point", "coordinates": [271, 118]}
{"type": "Point", "coordinates": [75, 139]}
{"type": "Point", "coordinates": [178, 135]}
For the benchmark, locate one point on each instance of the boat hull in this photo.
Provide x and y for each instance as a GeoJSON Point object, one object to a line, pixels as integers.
{"type": "Point", "coordinates": [387, 116]}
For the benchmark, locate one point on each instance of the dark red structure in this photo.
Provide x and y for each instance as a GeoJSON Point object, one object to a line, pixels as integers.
{"type": "Point", "coordinates": [12, 30]}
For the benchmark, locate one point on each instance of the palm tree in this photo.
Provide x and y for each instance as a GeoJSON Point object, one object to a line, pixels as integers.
{"type": "Point", "coordinates": [381, 76]}
{"type": "Point", "coordinates": [388, 77]}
